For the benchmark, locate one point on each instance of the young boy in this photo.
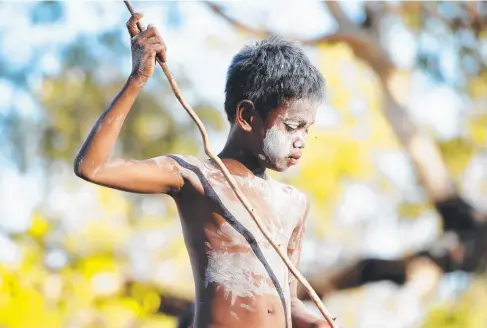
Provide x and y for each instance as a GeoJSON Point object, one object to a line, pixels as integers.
{"type": "Point", "coordinates": [272, 93]}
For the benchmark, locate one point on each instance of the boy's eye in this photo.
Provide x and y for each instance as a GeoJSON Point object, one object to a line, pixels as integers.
{"type": "Point", "coordinates": [291, 127]}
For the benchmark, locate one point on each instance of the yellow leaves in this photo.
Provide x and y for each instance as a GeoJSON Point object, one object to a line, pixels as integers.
{"type": "Point", "coordinates": [77, 290]}
{"type": "Point", "coordinates": [146, 297]}
{"type": "Point", "coordinates": [411, 15]}
{"type": "Point", "coordinates": [333, 156]}
{"type": "Point", "coordinates": [112, 202]}
{"type": "Point", "coordinates": [39, 226]}
{"type": "Point", "coordinates": [97, 237]}
{"type": "Point", "coordinates": [151, 302]}
{"type": "Point", "coordinates": [29, 301]}
{"type": "Point", "coordinates": [118, 313]}
{"type": "Point", "coordinates": [477, 126]}
{"type": "Point", "coordinates": [92, 265]}
{"type": "Point", "coordinates": [158, 321]}
{"type": "Point", "coordinates": [32, 255]}
{"type": "Point", "coordinates": [457, 154]}
{"type": "Point", "coordinates": [381, 137]}
{"type": "Point", "coordinates": [346, 151]}
{"type": "Point", "coordinates": [131, 304]}
{"type": "Point", "coordinates": [477, 87]}
{"type": "Point", "coordinates": [411, 210]}
{"type": "Point", "coordinates": [347, 77]}
{"type": "Point", "coordinates": [7, 280]}
{"type": "Point", "coordinates": [352, 83]}
{"type": "Point", "coordinates": [138, 291]}
{"type": "Point", "coordinates": [468, 312]}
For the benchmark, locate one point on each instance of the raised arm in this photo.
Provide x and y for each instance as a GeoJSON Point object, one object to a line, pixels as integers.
{"type": "Point", "coordinates": [94, 161]}
{"type": "Point", "coordinates": [300, 316]}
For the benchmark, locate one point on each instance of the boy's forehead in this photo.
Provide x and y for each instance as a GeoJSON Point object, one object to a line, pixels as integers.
{"type": "Point", "coordinates": [299, 109]}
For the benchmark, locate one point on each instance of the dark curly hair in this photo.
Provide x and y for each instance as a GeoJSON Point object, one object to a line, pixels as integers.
{"type": "Point", "coordinates": [267, 73]}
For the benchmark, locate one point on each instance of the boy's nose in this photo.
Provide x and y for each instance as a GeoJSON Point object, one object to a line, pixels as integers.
{"type": "Point", "coordinates": [299, 143]}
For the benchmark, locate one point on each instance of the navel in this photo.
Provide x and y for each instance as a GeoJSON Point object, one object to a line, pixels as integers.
{"type": "Point", "coordinates": [271, 309]}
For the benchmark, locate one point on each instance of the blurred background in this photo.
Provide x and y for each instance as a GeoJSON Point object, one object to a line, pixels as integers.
{"type": "Point", "coordinates": [396, 165]}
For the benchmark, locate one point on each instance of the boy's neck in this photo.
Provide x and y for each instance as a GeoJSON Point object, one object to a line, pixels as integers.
{"type": "Point", "coordinates": [234, 150]}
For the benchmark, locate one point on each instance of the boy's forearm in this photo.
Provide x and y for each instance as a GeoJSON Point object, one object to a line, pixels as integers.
{"type": "Point", "coordinates": [302, 318]}
{"type": "Point", "coordinates": [99, 144]}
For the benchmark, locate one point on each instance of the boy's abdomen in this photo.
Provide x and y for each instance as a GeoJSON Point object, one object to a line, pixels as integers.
{"type": "Point", "coordinates": [218, 310]}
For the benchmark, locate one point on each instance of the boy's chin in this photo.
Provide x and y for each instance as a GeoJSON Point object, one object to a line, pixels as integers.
{"type": "Point", "coordinates": [278, 167]}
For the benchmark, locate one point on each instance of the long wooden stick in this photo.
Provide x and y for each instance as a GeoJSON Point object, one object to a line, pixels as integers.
{"type": "Point", "coordinates": [233, 185]}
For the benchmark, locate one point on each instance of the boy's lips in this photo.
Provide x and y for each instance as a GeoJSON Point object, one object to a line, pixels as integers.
{"type": "Point", "coordinates": [295, 156]}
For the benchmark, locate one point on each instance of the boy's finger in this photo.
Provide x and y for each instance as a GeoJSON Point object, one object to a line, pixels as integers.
{"type": "Point", "coordinates": [132, 24]}
{"type": "Point", "coordinates": [161, 51]}
{"type": "Point", "coordinates": [155, 40]}
{"type": "Point", "coordinates": [159, 37]}
{"type": "Point", "coordinates": [150, 32]}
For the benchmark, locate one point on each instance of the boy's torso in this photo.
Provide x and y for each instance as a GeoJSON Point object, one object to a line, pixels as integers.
{"type": "Point", "coordinates": [240, 280]}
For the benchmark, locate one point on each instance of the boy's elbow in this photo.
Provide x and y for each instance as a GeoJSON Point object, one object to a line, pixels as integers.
{"type": "Point", "coordinates": [80, 173]}
{"type": "Point", "coordinates": [81, 170]}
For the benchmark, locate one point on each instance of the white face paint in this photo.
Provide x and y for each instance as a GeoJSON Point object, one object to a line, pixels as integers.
{"type": "Point", "coordinates": [277, 145]}
{"type": "Point", "coordinates": [288, 133]}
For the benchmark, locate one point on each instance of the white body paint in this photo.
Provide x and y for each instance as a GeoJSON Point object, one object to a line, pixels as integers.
{"type": "Point", "coordinates": [239, 273]}
{"type": "Point", "coordinates": [231, 263]}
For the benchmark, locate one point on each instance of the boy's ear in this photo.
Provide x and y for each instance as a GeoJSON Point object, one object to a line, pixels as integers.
{"type": "Point", "coordinates": [245, 115]}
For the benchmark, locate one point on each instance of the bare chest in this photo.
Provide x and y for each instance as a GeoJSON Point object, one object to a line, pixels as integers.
{"type": "Point", "coordinates": [277, 206]}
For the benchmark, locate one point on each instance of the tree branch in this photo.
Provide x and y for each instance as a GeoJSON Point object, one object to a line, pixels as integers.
{"type": "Point", "coordinates": [258, 32]}
{"type": "Point", "coordinates": [466, 251]}
{"type": "Point", "coordinates": [362, 44]}
{"type": "Point", "coordinates": [343, 21]}
{"type": "Point", "coordinates": [173, 305]}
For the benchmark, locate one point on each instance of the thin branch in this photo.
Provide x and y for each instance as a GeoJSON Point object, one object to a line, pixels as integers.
{"type": "Point", "coordinates": [343, 21]}
{"type": "Point", "coordinates": [363, 45]}
{"type": "Point", "coordinates": [259, 32]}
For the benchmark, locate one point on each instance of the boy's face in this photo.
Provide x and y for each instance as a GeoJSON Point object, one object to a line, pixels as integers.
{"type": "Point", "coordinates": [284, 132]}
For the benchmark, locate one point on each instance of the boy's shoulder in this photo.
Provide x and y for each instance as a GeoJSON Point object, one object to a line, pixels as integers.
{"type": "Point", "coordinates": [190, 159]}
{"type": "Point", "coordinates": [290, 193]}
{"type": "Point", "coordinates": [190, 162]}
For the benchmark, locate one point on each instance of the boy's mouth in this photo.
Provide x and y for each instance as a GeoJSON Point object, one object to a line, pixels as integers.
{"type": "Point", "coordinates": [294, 158]}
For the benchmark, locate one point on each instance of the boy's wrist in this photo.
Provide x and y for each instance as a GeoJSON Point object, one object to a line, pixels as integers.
{"type": "Point", "coordinates": [136, 81]}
